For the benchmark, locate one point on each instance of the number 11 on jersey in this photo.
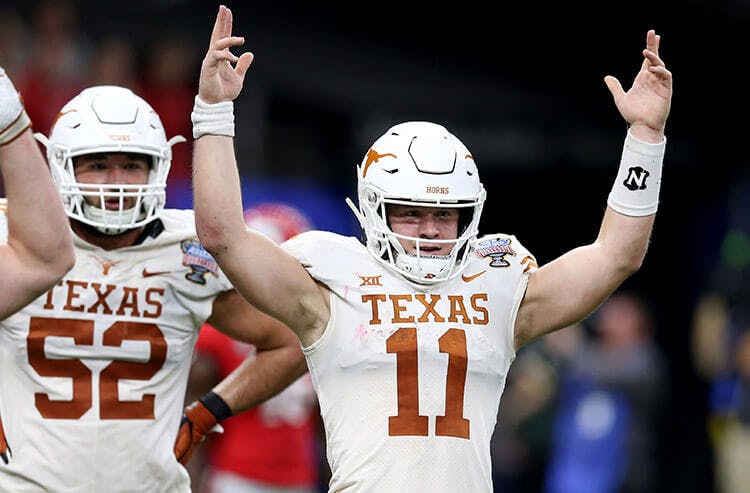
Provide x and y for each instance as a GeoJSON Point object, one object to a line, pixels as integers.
{"type": "Point", "coordinates": [408, 421]}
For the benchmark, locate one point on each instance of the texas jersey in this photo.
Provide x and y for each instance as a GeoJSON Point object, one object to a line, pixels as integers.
{"type": "Point", "coordinates": [94, 371]}
{"type": "Point", "coordinates": [409, 377]}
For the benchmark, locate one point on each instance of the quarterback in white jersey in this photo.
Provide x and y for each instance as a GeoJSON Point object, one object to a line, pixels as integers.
{"type": "Point", "coordinates": [94, 371]}
{"type": "Point", "coordinates": [421, 368]}
{"type": "Point", "coordinates": [409, 336]}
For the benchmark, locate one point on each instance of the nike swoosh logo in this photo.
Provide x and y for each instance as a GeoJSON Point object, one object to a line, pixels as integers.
{"type": "Point", "coordinates": [146, 273]}
{"type": "Point", "coordinates": [472, 277]}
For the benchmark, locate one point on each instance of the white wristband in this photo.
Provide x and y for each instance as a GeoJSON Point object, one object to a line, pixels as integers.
{"type": "Point", "coordinates": [212, 119]}
{"type": "Point", "coordinates": [13, 117]}
{"type": "Point", "coordinates": [636, 188]}
{"type": "Point", "coordinates": [15, 129]}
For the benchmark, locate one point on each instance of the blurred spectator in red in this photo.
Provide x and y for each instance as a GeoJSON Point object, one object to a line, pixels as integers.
{"type": "Point", "coordinates": [114, 62]}
{"type": "Point", "coordinates": [14, 50]}
{"type": "Point", "coordinates": [168, 84]}
{"type": "Point", "coordinates": [58, 62]}
{"type": "Point", "coordinates": [276, 446]}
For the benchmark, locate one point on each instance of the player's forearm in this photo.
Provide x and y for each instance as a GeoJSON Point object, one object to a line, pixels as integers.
{"type": "Point", "coordinates": [261, 376]}
{"type": "Point", "coordinates": [218, 197]}
{"type": "Point", "coordinates": [624, 241]}
{"type": "Point", "coordinates": [569, 288]}
{"type": "Point", "coordinates": [38, 229]}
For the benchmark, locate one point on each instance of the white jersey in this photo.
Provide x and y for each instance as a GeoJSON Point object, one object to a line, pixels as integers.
{"type": "Point", "coordinates": [93, 373]}
{"type": "Point", "coordinates": [409, 377]}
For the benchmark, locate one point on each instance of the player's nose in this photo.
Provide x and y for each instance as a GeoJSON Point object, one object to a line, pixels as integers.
{"type": "Point", "coordinates": [428, 227]}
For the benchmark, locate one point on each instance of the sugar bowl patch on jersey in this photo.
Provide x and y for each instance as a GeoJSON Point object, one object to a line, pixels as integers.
{"type": "Point", "coordinates": [499, 247]}
{"type": "Point", "coordinates": [199, 260]}
{"type": "Point", "coordinates": [496, 247]}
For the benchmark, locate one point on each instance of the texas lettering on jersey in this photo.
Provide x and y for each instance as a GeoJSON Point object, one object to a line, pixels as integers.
{"type": "Point", "coordinates": [105, 299]}
{"type": "Point", "coordinates": [424, 308]}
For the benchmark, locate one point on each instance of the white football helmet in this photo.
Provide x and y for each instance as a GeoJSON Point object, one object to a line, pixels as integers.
{"type": "Point", "coordinates": [106, 119]}
{"type": "Point", "coordinates": [418, 164]}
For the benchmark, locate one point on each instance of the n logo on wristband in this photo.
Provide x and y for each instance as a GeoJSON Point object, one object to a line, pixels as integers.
{"type": "Point", "coordinates": [636, 179]}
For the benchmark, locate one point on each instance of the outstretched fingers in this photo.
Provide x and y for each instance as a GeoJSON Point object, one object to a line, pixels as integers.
{"type": "Point", "coordinates": [653, 58]}
{"type": "Point", "coordinates": [220, 48]}
{"type": "Point", "coordinates": [652, 41]}
{"type": "Point", "coordinates": [661, 72]}
{"type": "Point", "coordinates": [220, 25]}
{"type": "Point", "coordinates": [222, 40]}
{"type": "Point", "coordinates": [614, 86]}
{"type": "Point", "coordinates": [653, 62]}
{"type": "Point", "coordinates": [652, 46]}
{"type": "Point", "coordinates": [243, 63]}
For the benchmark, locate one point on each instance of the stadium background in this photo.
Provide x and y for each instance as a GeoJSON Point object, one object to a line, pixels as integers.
{"type": "Point", "coordinates": [521, 84]}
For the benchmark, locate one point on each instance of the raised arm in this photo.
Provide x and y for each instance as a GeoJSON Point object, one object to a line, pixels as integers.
{"type": "Point", "coordinates": [39, 249]}
{"type": "Point", "coordinates": [569, 288]}
{"type": "Point", "coordinates": [264, 273]}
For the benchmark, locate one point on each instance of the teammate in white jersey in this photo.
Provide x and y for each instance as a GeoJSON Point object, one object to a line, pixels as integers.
{"type": "Point", "coordinates": [38, 247]}
{"type": "Point", "coordinates": [95, 369]}
{"type": "Point", "coordinates": [409, 337]}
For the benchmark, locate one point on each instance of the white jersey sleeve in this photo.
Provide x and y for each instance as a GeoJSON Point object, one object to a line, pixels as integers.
{"type": "Point", "coordinates": [94, 371]}
{"type": "Point", "coordinates": [409, 377]}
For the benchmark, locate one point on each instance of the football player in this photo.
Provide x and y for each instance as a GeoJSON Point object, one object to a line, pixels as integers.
{"type": "Point", "coordinates": [95, 370]}
{"type": "Point", "coordinates": [409, 336]}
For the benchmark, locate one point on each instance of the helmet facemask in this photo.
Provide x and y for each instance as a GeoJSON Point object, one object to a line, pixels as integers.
{"type": "Point", "coordinates": [418, 164]}
{"type": "Point", "coordinates": [102, 120]}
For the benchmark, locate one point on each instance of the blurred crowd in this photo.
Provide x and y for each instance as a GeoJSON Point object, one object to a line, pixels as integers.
{"type": "Point", "coordinates": [51, 59]}
{"type": "Point", "coordinates": [583, 408]}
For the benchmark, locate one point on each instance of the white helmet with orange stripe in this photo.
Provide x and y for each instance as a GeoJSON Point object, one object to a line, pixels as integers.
{"type": "Point", "coordinates": [107, 119]}
{"type": "Point", "coordinates": [418, 164]}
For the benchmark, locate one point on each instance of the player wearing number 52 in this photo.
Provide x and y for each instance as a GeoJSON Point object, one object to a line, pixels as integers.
{"type": "Point", "coordinates": [95, 370]}
{"type": "Point", "coordinates": [409, 336]}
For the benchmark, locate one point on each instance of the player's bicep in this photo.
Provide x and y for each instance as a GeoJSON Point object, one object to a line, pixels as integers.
{"type": "Point", "coordinates": [564, 292]}
{"type": "Point", "coordinates": [238, 319]}
{"type": "Point", "coordinates": [22, 281]}
{"type": "Point", "coordinates": [274, 281]}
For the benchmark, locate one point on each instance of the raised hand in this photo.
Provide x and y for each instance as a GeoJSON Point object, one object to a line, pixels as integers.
{"type": "Point", "coordinates": [645, 106]}
{"type": "Point", "coordinates": [223, 73]}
